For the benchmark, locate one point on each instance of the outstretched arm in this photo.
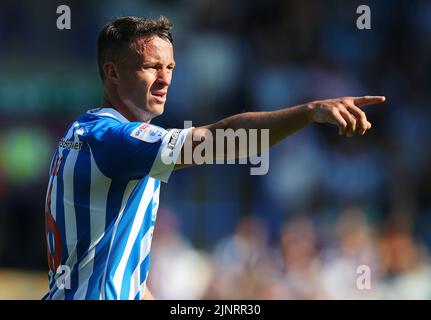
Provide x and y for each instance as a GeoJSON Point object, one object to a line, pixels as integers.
{"type": "Point", "coordinates": [343, 112]}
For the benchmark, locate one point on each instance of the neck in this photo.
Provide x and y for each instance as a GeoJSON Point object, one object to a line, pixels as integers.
{"type": "Point", "coordinates": [131, 114]}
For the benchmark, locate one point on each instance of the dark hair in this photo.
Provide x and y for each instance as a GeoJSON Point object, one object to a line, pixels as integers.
{"type": "Point", "coordinates": [116, 39]}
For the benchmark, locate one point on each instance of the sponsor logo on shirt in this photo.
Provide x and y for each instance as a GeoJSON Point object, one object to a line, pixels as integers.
{"type": "Point", "coordinates": [66, 144]}
{"type": "Point", "coordinates": [147, 133]}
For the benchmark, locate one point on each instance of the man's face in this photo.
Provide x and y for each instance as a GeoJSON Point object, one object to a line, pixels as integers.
{"type": "Point", "coordinates": [144, 78]}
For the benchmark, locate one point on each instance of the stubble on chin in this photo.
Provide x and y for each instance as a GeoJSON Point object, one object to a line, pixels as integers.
{"type": "Point", "coordinates": [148, 115]}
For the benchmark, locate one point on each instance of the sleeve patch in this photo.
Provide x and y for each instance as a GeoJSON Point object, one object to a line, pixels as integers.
{"type": "Point", "coordinates": [147, 133]}
{"type": "Point", "coordinates": [174, 138]}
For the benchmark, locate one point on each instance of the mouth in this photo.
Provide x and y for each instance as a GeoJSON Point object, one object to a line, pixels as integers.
{"type": "Point", "coordinates": [159, 96]}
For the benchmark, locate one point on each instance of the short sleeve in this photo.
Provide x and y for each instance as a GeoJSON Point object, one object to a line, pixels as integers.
{"type": "Point", "coordinates": [136, 149]}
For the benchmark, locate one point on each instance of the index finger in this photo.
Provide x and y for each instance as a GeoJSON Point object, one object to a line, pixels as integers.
{"type": "Point", "coordinates": [368, 100]}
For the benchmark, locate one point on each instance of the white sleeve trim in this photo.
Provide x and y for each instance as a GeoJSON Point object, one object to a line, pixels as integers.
{"type": "Point", "coordinates": [169, 151]}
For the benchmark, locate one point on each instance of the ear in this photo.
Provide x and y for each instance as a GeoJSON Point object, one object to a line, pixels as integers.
{"type": "Point", "coordinates": [111, 72]}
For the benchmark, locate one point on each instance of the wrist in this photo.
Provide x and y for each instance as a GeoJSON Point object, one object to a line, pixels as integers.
{"type": "Point", "coordinates": [310, 111]}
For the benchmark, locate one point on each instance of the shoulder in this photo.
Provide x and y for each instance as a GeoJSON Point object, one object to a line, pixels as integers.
{"type": "Point", "coordinates": [96, 122]}
{"type": "Point", "coordinates": [106, 124]}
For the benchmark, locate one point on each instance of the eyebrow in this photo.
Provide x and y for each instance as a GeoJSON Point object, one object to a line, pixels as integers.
{"type": "Point", "coordinates": [155, 62]}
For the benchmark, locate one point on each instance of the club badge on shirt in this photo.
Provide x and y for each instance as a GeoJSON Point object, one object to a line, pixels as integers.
{"type": "Point", "coordinates": [147, 133]}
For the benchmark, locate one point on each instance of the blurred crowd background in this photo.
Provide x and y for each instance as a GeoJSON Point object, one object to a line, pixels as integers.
{"type": "Point", "coordinates": [328, 204]}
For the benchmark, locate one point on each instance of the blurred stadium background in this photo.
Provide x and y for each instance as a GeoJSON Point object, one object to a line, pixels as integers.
{"type": "Point", "coordinates": [327, 205]}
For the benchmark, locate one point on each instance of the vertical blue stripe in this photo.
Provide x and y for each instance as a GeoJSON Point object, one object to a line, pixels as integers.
{"type": "Point", "coordinates": [135, 254]}
{"type": "Point", "coordinates": [59, 211]}
{"type": "Point", "coordinates": [121, 236]}
{"type": "Point", "coordinates": [81, 194]}
{"type": "Point", "coordinates": [156, 185]}
{"type": "Point", "coordinates": [81, 198]}
{"type": "Point", "coordinates": [53, 161]}
{"type": "Point", "coordinates": [138, 296]}
{"type": "Point", "coordinates": [144, 271]}
{"type": "Point", "coordinates": [113, 206]}
{"type": "Point", "coordinates": [134, 258]}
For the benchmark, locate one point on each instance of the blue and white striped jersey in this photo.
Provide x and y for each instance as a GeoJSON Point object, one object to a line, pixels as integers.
{"type": "Point", "coordinates": [101, 204]}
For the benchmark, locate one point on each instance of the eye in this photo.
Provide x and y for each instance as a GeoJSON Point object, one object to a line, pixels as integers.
{"type": "Point", "coordinates": [151, 66]}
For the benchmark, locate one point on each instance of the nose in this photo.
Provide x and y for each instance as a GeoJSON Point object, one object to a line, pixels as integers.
{"type": "Point", "coordinates": [164, 77]}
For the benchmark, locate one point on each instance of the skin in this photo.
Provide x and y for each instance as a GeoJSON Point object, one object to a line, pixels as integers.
{"type": "Point", "coordinates": [138, 89]}
{"type": "Point", "coordinates": [148, 295]}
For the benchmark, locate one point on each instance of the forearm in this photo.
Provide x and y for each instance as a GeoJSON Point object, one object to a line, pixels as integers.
{"type": "Point", "coordinates": [281, 123]}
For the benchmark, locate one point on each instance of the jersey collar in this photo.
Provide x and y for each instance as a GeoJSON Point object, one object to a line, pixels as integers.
{"type": "Point", "coordinates": [109, 112]}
